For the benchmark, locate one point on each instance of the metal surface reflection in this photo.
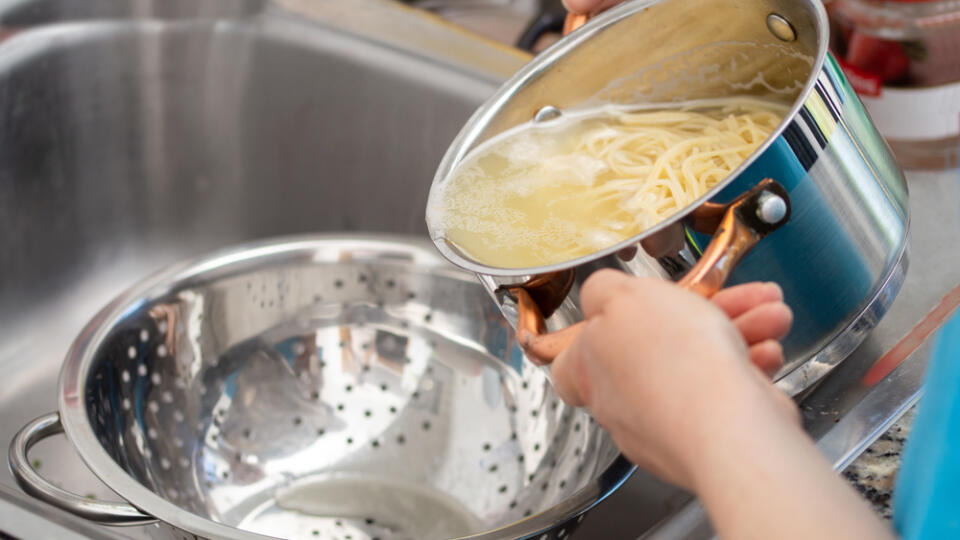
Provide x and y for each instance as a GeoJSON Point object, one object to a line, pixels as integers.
{"type": "Point", "coordinates": [840, 258]}
{"type": "Point", "coordinates": [323, 386]}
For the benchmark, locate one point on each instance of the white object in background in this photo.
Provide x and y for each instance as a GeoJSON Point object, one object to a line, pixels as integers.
{"type": "Point", "coordinates": [916, 114]}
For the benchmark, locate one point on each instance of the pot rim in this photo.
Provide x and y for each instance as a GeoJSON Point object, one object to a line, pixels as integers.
{"type": "Point", "coordinates": [82, 353]}
{"type": "Point", "coordinates": [466, 140]}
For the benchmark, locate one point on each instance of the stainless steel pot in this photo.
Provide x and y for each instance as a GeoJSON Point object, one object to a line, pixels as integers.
{"type": "Point", "coordinates": [320, 387]}
{"type": "Point", "coordinates": [841, 256]}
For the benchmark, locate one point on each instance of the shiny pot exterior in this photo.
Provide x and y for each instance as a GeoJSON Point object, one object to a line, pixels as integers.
{"type": "Point", "coordinates": [841, 257]}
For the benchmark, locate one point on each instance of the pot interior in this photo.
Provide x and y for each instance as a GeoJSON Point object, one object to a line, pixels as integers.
{"type": "Point", "coordinates": [668, 51]}
{"type": "Point", "coordinates": [650, 54]}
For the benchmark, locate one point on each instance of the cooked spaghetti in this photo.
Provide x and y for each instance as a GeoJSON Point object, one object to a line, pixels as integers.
{"type": "Point", "coordinates": [543, 194]}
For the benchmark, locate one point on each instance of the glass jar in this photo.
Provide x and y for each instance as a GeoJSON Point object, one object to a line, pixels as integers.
{"type": "Point", "coordinates": [903, 58]}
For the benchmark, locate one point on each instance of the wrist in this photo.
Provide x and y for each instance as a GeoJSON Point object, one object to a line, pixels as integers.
{"type": "Point", "coordinates": [747, 429]}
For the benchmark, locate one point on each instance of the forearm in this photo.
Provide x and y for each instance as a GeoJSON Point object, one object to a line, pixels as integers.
{"type": "Point", "coordinates": [768, 480]}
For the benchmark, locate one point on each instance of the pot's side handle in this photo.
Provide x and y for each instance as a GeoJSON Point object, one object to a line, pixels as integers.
{"type": "Point", "coordinates": [106, 513]}
{"type": "Point", "coordinates": [574, 21]}
{"type": "Point", "coordinates": [746, 221]}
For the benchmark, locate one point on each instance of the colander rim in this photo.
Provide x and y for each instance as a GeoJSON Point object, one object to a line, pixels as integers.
{"type": "Point", "coordinates": [82, 354]}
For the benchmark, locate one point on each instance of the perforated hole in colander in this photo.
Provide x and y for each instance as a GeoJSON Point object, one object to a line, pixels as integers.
{"type": "Point", "coordinates": [365, 375]}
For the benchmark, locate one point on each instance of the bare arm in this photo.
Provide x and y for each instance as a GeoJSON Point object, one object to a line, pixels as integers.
{"type": "Point", "coordinates": [684, 395]}
{"type": "Point", "coordinates": [761, 477]}
{"type": "Point", "coordinates": [675, 381]}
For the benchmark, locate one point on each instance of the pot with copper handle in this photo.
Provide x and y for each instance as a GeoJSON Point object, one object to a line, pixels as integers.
{"type": "Point", "coordinates": [823, 188]}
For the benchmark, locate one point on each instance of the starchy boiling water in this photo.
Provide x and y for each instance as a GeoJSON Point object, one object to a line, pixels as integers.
{"type": "Point", "coordinates": [548, 193]}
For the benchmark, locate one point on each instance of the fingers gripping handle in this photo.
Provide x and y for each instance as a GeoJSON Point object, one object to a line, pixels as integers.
{"type": "Point", "coordinates": [746, 221]}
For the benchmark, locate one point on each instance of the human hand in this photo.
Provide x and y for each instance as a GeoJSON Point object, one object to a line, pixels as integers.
{"type": "Point", "coordinates": [665, 370]}
{"type": "Point", "coordinates": [758, 312]}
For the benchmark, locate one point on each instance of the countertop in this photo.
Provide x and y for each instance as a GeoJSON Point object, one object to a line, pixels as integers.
{"type": "Point", "coordinates": [874, 473]}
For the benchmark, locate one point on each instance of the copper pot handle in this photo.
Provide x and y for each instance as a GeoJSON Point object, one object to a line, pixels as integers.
{"type": "Point", "coordinates": [746, 221]}
{"type": "Point", "coordinates": [574, 21]}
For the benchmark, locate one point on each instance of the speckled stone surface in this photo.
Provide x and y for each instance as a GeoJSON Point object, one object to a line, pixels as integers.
{"type": "Point", "coordinates": [873, 473]}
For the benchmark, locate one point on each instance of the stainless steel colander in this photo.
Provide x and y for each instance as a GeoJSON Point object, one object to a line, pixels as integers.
{"type": "Point", "coordinates": [320, 387]}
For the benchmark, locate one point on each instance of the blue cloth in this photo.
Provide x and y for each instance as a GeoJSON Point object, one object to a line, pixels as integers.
{"type": "Point", "coordinates": [927, 497]}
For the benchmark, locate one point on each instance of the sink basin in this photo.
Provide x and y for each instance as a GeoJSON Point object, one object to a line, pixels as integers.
{"type": "Point", "coordinates": [135, 134]}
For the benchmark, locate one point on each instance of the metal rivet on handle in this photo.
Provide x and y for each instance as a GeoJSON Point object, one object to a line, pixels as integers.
{"type": "Point", "coordinates": [781, 27]}
{"type": "Point", "coordinates": [771, 208]}
{"type": "Point", "coordinates": [547, 113]}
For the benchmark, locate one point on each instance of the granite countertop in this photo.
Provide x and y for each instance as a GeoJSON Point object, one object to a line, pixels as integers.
{"type": "Point", "coordinates": [873, 473]}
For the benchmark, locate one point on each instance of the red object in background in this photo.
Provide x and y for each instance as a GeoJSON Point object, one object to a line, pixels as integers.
{"type": "Point", "coordinates": [903, 58]}
{"type": "Point", "coordinates": [905, 43]}
{"type": "Point", "coordinates": [883, 58]}
{"type": "Point", "coordinates": [864, 82]}
{"type": "Point", "coordinates": [914, 338]}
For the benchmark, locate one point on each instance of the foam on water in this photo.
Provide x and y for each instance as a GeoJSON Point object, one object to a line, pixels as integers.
{"type": "Point", "coordinates": [530, 196]}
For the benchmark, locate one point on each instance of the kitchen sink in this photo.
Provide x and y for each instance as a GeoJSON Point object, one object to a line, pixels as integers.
{"type": "Point", "coordinates": [136, 133]}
